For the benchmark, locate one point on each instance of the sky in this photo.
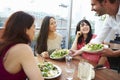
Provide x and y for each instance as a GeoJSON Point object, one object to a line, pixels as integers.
{"type": "Point", "coordinates": [81, 8]}
{"type": "Point", "coordinates": [49, 6]}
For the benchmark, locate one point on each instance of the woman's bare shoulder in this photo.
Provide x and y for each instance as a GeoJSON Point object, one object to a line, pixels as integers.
{"type": "Point", "coordinates": [19, 52]}
{"type": "Point", "coordinates": [21, 49]}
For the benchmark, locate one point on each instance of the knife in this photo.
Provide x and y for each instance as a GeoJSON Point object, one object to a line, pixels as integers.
{"type": "Point", "coordinates": [99, 67]}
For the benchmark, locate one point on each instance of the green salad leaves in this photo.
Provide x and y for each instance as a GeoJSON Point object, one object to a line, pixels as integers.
{"type": "Point", "coordinates": [48, 69]}
{"type": "Point", "coordinates": [94, 47]}
{"type": "Point", "coordinates": [59, 54]}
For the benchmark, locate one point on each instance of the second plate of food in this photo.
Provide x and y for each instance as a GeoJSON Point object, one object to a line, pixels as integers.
{"type": "Point", "coordinates": [49, 70]}
{"type": "Point", "coordinates": [93, 48]}
{"type": "Point", "coordinates": [59, 54]}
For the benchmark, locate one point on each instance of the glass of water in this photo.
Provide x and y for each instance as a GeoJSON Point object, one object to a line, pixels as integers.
{"type": "Point", "coordinates": [68, 59]}
{"type": "Point", "coordinates": [70, 69]}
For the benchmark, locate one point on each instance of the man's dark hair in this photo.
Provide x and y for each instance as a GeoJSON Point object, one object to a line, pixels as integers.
{"type": "Point", "coordinates": [111, 1]}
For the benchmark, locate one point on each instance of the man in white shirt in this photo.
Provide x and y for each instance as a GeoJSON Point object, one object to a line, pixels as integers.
{"type": "Point", "coordinates": [111, 24]}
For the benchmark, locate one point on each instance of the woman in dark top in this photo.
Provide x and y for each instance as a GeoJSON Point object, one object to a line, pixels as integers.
{"type": "Point", "coordinates": [17, 61]}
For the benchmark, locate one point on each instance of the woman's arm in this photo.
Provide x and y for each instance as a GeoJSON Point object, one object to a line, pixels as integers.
{"type": "Point", "coordinates": [75, 52]}
{"type": "Point", "coordinates": [74, 45]}
{"type": "Point", "coordinates": [28, 63]}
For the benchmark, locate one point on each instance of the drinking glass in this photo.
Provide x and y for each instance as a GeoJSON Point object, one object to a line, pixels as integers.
{"type": "Point", "coordinates": [68, 59]}
{"type": "Point", "coordinates": [70, 69]}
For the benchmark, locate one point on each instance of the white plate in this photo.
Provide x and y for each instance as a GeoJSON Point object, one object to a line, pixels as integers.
{"type": "Point", "coordinates": [61, 56]}
{"type": "Point", "coordinates": [59, 73]}
{"type": "Point", "coordinates": [95, 51]}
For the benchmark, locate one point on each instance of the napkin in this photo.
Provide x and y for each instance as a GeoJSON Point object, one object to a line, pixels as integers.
{"type": "Point", "coordinates": [85, 71]}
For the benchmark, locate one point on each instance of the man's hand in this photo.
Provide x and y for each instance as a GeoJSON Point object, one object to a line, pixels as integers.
{"type": "Point", "coordinates": [107, 52]}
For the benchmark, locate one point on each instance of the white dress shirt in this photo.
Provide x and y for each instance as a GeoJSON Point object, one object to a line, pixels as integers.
{"type": "Point", "coordinates": [110, 28]}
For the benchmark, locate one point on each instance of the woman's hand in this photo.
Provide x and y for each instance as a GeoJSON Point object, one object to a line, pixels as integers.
{"type": "Point", "coordinates": [75, 52]}
{"type": "Point", "coordinates": [79, 33]}
{"type": "Point", "coordinates": [45, 54]}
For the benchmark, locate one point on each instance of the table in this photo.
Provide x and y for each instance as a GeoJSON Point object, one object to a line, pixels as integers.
{"type": "Point", "coordinates": [103, 74]}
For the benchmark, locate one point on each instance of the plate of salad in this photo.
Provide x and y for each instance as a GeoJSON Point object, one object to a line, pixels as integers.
{"type": "Point", "coordinates": [93, 48]}
{"type": "Point", "coordinates": [49, 70]}
{"type": "Point", "coordinates": [59, 54]}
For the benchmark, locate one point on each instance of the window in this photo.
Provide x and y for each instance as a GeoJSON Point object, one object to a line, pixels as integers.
{"type": "Point", "coordinates": [60, 9]}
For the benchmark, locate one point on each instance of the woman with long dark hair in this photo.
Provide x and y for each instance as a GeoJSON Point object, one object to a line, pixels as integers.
{"type": "Point", "coordinates": [83, 34]}
{"type": "Point", "coordinates": [83, 37]}
{"type": "Point", "coordinates": [17, 61]}
{"type": "Point", "coordinates": [48, 39]}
